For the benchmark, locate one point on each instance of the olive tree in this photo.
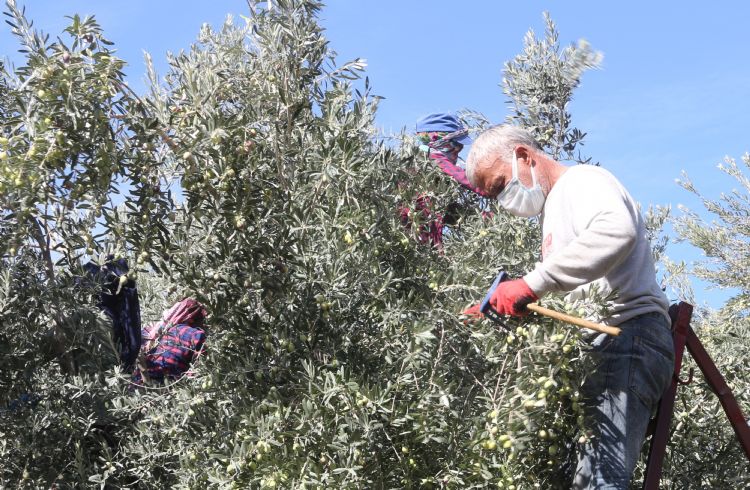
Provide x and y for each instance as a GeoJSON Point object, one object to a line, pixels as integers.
{"type": "Point", "coordinates": [252, 177]}
{"type": "Point", "coordinates": [66, 165]}
{"type": "Point", "coordinates": [725, 240]}
{"type": "Point", "coordinates": [338, 355]}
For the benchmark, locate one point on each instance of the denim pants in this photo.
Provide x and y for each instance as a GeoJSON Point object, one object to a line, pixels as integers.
{"type": "Point", "coordinates": [630, 373]}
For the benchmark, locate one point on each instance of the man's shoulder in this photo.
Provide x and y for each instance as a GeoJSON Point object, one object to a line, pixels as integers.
{"type": "Point", "coordinates": [586, 185]}
{"type": "Point", "coordinates": [579, 174]}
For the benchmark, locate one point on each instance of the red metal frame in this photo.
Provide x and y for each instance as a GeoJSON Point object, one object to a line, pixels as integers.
{"type": "Point", "coordinates": [684, 336]}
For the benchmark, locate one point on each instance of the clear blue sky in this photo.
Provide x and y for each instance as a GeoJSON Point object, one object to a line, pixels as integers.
{"type": "Point", "coordinates": [673, 93]}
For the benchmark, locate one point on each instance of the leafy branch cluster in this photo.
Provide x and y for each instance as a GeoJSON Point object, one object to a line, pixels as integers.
{"type": "Point", "coordinates": [539, 84]}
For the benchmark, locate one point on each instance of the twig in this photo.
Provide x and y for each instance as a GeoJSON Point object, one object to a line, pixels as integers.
{"type": "Point", "coordinates": [37, 232]}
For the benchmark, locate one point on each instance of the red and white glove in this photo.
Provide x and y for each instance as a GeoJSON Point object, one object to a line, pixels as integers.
{"type": "Point", "coordinates": [511, 298]}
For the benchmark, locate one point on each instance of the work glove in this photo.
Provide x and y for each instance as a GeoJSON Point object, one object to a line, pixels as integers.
{"type": "Point", "coordinates": [473, 314]}
{"type": "Point", "coordinates": [511, 298]}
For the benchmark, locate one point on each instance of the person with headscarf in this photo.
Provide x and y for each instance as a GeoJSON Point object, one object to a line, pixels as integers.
{"type": "Point", "coordinates": [171, 346]}
{"type": "Point", "coordinates": [441, 137]}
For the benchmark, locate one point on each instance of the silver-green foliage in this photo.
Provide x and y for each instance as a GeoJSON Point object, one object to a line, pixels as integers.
{"type": "Point", "coordinates": [64, 165]}
{"type": "Point", "coordinates": [702, 450]}
{"type": "Point", "coordinates": [725, 240]}
{"type": "Point", "coordinates": [337, 356]}
{"type": "Point", "coordinates": [254, 181]}
{"type": "Point", "coordinates": [540, 82]}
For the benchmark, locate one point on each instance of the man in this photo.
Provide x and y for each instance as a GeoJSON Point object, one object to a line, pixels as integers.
{"type": "Point", "coordinates": [593, 236]}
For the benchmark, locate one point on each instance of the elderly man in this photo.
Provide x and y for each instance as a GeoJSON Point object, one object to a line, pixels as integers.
{"type": "Point", "coordinates": [593, 236]}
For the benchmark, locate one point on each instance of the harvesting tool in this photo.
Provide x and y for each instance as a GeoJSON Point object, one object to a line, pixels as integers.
{"type": "Point", "coordinates": [493, 315]}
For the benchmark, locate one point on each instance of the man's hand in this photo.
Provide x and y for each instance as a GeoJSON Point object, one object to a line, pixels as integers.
{"type": "Point", "coordinates": [473, 314]}
{"type": "Point", "coordinates": [511, 298]}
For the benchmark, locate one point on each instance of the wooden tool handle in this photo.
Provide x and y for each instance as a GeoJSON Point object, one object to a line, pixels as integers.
{"type": "Point", "coordinates": [573, 320]}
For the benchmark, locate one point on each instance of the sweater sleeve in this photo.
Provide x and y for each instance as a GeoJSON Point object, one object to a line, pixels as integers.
{"type": "Point", "coordinates": [607, 230]}
{"type": "Point", "coordinates": [454, 171]}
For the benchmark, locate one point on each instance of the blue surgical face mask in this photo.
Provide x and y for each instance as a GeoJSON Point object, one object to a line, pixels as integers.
{"type": "Point", "coordinates": [519, 200]}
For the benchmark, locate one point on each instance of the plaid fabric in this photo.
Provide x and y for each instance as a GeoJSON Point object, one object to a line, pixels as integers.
{"type": "Point", "coordinates": [172, 349]}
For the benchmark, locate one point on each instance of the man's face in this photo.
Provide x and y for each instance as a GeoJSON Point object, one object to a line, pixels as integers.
{"type": "Point", "coordinates": [493, 178]}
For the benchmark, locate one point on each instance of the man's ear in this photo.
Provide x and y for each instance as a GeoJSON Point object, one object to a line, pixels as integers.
{"type": "Point", "coordinates": [523, 155]}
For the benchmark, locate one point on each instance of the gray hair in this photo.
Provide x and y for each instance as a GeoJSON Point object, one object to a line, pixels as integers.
{"type": "Point", "coordinates": [497, 140]}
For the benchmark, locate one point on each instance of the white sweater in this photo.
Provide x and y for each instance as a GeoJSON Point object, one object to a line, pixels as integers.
{"type": "Point", "coordinates": [593, 234]}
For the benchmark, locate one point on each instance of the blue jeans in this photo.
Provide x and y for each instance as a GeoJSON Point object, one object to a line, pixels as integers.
{"type": "Point", "coordinates": [630, 373]}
